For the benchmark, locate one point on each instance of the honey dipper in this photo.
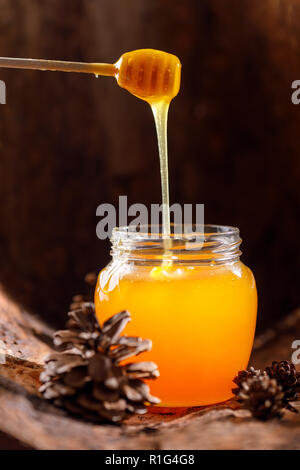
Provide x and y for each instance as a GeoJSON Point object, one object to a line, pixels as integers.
{"type": "Point", "coordinates": [146, 73]}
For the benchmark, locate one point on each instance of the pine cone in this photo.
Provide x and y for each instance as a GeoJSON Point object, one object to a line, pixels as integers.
{"type": "Point", "coordinates": [244, 375]}
{"type": "Point", "coordinates": [287, 376]}
{"type": "Point", "coordinates": [262, 396]}
{"type": "Point", "coordinates": [86, 376]}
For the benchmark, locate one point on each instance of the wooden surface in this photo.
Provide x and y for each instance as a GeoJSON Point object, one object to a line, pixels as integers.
{"type": "Point", "coordinates": [37, 424]}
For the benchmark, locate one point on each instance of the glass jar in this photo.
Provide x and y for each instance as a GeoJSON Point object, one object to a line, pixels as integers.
{"type": "Point", "coordinates": [193, 298]}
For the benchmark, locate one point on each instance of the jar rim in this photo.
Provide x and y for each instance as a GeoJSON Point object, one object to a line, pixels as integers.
{"type": "Point", "coordinates": [199, 231]}
{"type": "Point", "coordinates": [206, 244]}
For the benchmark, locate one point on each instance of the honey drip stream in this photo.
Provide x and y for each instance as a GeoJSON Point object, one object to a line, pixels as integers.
{"type": "Point", "coordinates": [160, 112]}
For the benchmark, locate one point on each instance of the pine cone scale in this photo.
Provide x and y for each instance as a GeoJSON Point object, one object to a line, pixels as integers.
{"type": "Point", "coordinates": [262, 396]}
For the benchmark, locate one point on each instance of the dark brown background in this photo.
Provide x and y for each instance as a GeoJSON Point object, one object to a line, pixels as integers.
{"type": "Point", "coordinates": [70, 142]}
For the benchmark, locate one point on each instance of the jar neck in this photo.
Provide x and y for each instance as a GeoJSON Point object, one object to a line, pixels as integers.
{"type": "Point", "coordinates": [203, 245]}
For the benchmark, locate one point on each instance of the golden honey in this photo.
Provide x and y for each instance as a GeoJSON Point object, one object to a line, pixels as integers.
{"type": "Point", "coordinates": [149, 74]}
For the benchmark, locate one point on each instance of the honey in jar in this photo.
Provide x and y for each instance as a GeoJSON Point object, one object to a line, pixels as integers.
{"type": "Point", "coordinates": [199, 310]}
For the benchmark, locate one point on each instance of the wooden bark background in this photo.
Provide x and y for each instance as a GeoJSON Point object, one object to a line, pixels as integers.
{"type": "Point", "coordinates": [37, 424]}
{"type": "Point", "coordinates": [69, 143]}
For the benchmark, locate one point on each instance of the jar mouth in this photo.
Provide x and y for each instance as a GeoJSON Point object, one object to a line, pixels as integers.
{"type": "Point", "coordinates": [177, 231]}
{"type": "Point", "coordinates": [202, 244]}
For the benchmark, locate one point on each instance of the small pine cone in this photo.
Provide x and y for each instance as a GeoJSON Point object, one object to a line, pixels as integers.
{"type": "Point", "coordinates": [244, 375]}
{"type": "Point", "coordinates": [262, 396]}
{"type": "Point", "coordinates": [287, 376]}
{"type": "Point", "coordinates": [87, 378]}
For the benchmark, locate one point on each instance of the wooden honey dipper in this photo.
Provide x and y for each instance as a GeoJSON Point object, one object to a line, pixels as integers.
{"type": "Point", "coordinates": [151, 75]}
{"type": "Point", "coordinates": [146, 73]}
